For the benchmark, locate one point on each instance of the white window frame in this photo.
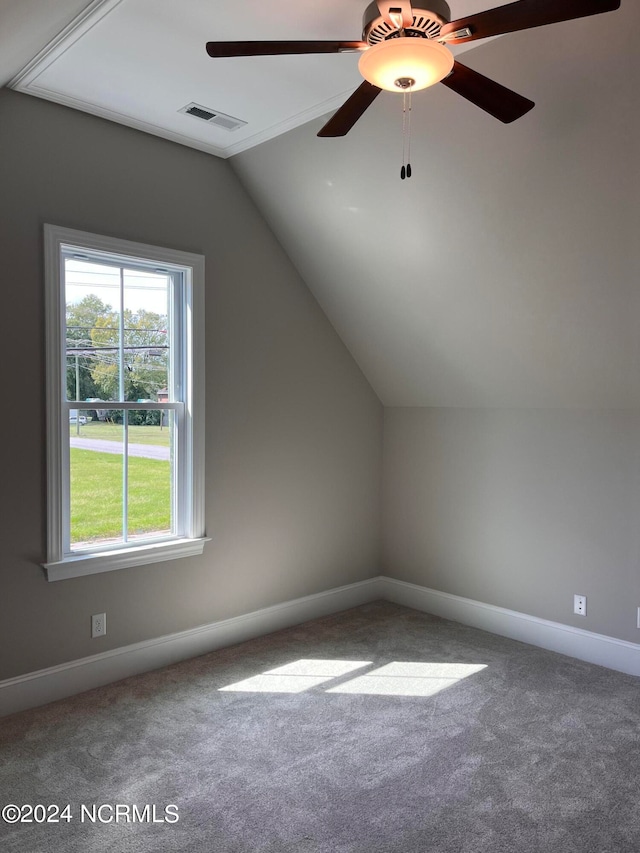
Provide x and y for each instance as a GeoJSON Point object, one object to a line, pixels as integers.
{"type": "Point", "coordinates": [61, 562]}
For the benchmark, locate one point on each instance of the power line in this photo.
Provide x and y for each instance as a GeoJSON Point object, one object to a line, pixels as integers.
{"type": "Point", "coordinates": [88, 351]}
{"type": "Point", "coordinates": [116, 329]}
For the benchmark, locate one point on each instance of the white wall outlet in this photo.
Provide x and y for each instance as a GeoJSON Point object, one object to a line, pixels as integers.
{"type": "Point", "coordinates": [98, 625]}
{"type": "Point", "coordinates": [638, 618]}
{"type": "Point", "coordinates": [580, 605]}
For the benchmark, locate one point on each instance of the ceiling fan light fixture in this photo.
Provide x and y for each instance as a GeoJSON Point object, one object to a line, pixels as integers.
{"type": "Point", "coordinates": [421, 60]}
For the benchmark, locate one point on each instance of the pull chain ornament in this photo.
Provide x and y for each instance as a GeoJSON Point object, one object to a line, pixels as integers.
{"type": "Point", "coordinates": [406, 83]}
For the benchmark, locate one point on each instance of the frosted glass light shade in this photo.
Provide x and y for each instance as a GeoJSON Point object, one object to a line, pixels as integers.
{"type": "Point", "coordinates": [425, 61]}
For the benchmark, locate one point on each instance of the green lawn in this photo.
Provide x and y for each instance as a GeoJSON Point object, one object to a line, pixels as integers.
{"type": "Point", "coordinates": [96, 494]}
{"type": "Point", "coordinates": [113, 432]}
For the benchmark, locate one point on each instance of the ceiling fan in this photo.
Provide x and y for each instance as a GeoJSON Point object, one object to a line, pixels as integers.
{"type": "Point", "coordinates": [403, 47]}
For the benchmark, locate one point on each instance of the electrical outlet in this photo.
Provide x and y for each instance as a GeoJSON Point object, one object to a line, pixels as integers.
{"type": "Point", "coordinates": [580, 605]}
{"type": "Point", "coordinates": [98, 625]}
{"type": "Point", "coordinates": [638, 618]}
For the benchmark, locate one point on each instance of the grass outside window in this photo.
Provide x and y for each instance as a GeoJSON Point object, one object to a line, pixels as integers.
{"type": "Point", "coordinates": [96, 495]}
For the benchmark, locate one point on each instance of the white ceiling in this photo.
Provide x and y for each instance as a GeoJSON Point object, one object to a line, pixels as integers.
{"type": "Point", "coordinates": [505, 272]}
{"type": "Point", "coordinates": [138, 62]}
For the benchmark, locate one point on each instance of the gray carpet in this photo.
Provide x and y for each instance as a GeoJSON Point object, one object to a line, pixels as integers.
{"type": "Point", "coordinates": [528, 751]}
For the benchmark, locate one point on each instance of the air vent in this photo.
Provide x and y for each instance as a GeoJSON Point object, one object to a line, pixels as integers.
{"type": "Point", "coordinates": [198, 113]}
{"type": "Point", "coordinates": [212, 116]}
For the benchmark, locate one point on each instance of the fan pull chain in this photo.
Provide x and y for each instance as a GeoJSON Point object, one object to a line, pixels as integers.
{"type": "Point", "coordinates": [409, 137]}
{"type": "Point", "coordinates": [405, 171]}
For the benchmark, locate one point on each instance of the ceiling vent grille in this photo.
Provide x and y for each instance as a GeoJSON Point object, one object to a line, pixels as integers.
{"type": "Point", "coordinates": [212, 116]}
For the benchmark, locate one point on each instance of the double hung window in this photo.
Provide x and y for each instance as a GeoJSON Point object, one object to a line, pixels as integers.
{"type": "Point", "coordinates": [125, 408]}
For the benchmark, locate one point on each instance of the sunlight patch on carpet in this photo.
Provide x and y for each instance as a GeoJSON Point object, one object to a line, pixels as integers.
{"type": "Point", "coordinates": [297, 676]}
{"type": "Point", "coordinates": [409, 679]}
{"type": "Point", "coordinates": [399, 678]}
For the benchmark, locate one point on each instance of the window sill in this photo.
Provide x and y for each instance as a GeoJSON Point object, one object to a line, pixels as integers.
{"type": "Point", "coordinates": [109, 561]}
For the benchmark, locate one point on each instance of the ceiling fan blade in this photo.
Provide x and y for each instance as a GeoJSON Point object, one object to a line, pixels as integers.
{"type": "Point", "coordinates": [490, 96]}
{"type": "Point", "coordinates": [279, 48]}
{"type": "Point", "coordinates": [523, 15]}
{"type": "Point", "coordinates": [341, 122]}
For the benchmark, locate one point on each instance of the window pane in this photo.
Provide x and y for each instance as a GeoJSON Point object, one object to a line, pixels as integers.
{"type": "Point", "coordinates": [150, 480]}
{"type": "Point", "coordinates": [97, 482]}
{"type": "Point", "coordinates": [117, 332]}
{"type": "Point", "coordinates": [92, 297]}
{"type": "Point", "coordinates": [146, 334]}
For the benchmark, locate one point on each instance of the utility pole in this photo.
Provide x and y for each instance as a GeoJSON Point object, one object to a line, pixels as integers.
{"type": "Point", "coordinates": [77, 393]}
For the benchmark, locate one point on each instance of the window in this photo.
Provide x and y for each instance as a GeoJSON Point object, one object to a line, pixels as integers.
{"type": "Point", "coordinates": [125, 407]}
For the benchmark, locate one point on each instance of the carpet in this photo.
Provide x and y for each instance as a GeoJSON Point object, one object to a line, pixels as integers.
{"type": "Point", "coordinates": [377, 730]}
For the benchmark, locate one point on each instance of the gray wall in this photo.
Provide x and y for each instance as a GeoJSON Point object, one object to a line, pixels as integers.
{"type": "Point", "coordinates": [294, 431]}
{"type": "Point", "coordinates": [518, 508]}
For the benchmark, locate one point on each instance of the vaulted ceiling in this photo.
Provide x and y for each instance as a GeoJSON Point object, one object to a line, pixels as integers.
{"type": "Point", "coordinates": [503, 273]}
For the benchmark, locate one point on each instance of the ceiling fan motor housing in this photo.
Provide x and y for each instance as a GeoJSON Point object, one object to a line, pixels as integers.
{"type": "Point", "coordinates": [429, 16]}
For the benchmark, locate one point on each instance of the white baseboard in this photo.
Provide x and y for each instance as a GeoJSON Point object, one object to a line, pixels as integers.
{"type": "Point", "coordinates": [575, 642]}
{"type": "Point", "coordinates": [58, 682]}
